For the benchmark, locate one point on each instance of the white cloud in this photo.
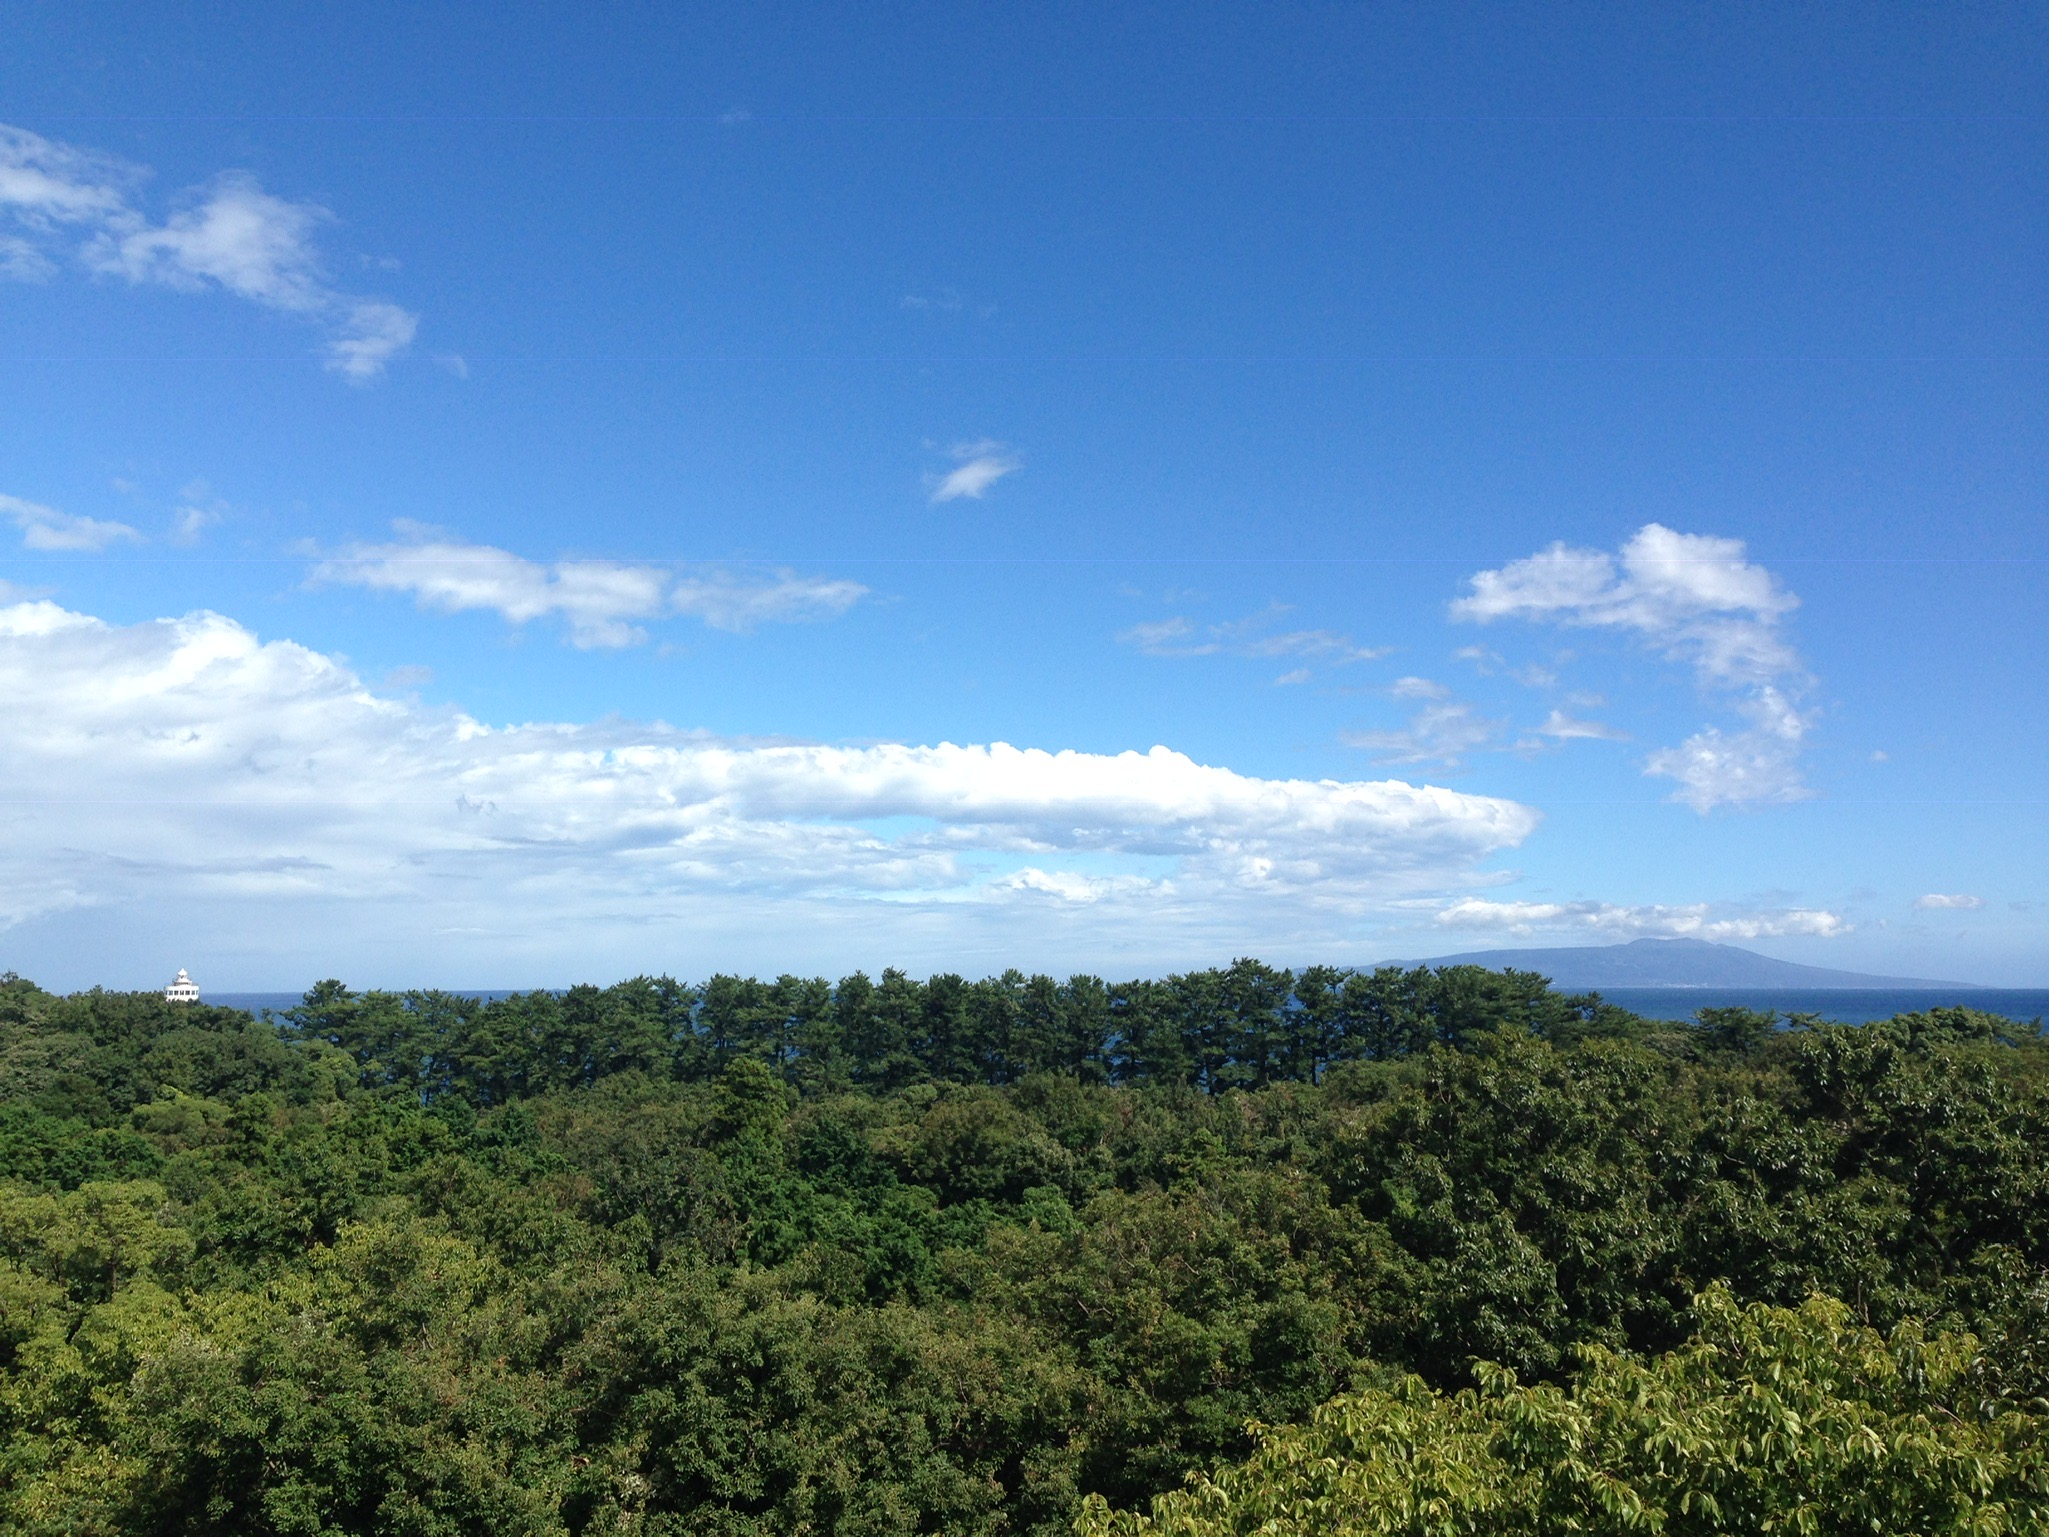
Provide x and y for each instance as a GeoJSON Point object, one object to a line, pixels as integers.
{"type": "Point", "coordinates": [1442, 732]}
{"type": "Point", "coordinates": [981, 465]}
{"type": "Point", "coordinates": [370, 335]}
{"type": "Point", "coordinates": [21, 262]}
{"type": "Point", "coordinates": [598, 599]}
{"type": "Point", "coordinates": [191, 521]}
{"type": "Point", "coordinates": [1937, 899]}
{"type": "Point", "coordinates": [45, 528]}
{"type": "Point", "coordinates": [198, 510]}
{"type": "Point", "coordinates": [182, 776]}
{"type": "Point", "coordinates": [1561, 727]}
{"type": "Point", "coordinates": [1695, 598]}
{"type": "Point", "coordinates": [45, 185]}
{"type": "Point", "coordinates": [1667, 581]}
{"type": "Point", "coordinates": [1489, 663]}
{"type": "Point", "coordinates": [1070, 887]}
{"type": "Point", "coordinates": [947, 301]}
{"type": "Point", "coordinates": [726, 600]}
{"type": "Point", "coordinates": [1694, 921]}
{"type": "Point", "coordinates": [1254, 636]}
{"type": "Point", "coordinates": [228, 234]}
{"type": "Point", "coordinates": [231, 233]}
{"type": "Point", "coordinates": [1418, 688]}
{"type": "Point", "coordinates": [1445, 729]}
{"type": "Point", "coordinates": [1734, 768]}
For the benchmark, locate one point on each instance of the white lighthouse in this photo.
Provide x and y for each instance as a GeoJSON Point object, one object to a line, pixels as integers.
{"type": "Point", "coordinates": [184, 990]}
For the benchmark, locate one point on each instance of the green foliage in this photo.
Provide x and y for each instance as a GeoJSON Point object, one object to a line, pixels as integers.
{"type": "Point", "coordinates": [1245, 1026]}
{"type": "Point", "coordinates": [1771, 1420]}
{"type": "Point", "coordinates": [950, 1256]}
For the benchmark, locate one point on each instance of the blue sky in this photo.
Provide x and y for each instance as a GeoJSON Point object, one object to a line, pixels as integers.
{"type": "Point", "coordinates": [504, 500]}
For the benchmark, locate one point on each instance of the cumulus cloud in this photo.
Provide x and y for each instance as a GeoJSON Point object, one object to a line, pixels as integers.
{"type": "Point", "coordinates": [45, 528]}
{"type": "Point", "coordinates": [1694, 598]}
{"type": "Point", "coordinates": [1693, 921]}
{"type": "Point", "coordinates": [1693, 590]}
{"type": "Point", "coordinates": [1938, 900]}
{"type": "Point", "coordinates": [58, 201]}
{"type": "Point", "coordinates": [259, 780]}
{"type": "Point", "coordinates": [981, 465]}
{"type": "Point", "coordinates": [1755, 766]}
{"type": "Point", "coordinates": [599, 600]}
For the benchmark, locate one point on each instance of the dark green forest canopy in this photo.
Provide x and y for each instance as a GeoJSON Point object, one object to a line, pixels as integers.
{"type": "Point", "coordinates": [945, 1256]}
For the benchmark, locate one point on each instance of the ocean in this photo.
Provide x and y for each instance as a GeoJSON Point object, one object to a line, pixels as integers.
{"type": "Point", "coordinates": [1850, 1006]}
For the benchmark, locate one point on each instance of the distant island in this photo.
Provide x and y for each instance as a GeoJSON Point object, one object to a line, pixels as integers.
{"type": "Point", "coordinates": [1675, 963]}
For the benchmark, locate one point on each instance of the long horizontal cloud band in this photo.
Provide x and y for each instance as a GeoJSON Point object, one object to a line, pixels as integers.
{"type": "Point", "coordinates": [267, 769]}
{"type": "Point", "coordinates": [1695, 920]}
{"type": "Point", "coordinates": [598, 599]}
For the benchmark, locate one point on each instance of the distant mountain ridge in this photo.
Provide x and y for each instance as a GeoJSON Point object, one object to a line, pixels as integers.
{"type": "Point", "coordinates": [1675, 963]}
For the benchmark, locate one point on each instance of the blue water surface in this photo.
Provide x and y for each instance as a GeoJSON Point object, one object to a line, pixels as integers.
{"type": "Point", "coordinates": [1849, 1006]}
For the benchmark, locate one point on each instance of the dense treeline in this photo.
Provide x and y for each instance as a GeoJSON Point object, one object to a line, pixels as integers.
{"type": "Point", "coordinates": [927, 1257]}
{"type": "Point", "coordinates": [1241, 1027]}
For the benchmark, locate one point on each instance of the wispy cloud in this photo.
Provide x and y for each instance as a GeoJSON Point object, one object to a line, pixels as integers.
{"type": "Point", "coordinates": [1698, 920]}
{"type": "Point", "coordinates": [61, 202]}
{"type": "Point", "coordinates": [198, 510]}
{"type": "Point", "coordinates": [946, 301]}
{"type": "Point", "coordinates": [739, 600]}
{"type": "Point", "coordinates": [269, 779]}
{"type": "Point", "coordinates": [1443, 732]}
{"type": "Point", "coordinates": [1256, 637]}
{"type": "Point", "coordinates": [190, 521]}
{"type": "Point", "coordinates": [45, 528]}
{"type": "Point", "coordinates": [1695, 598]}
{"type": "Point", "coordinates": [1418, 688]}
{"type": "Point", "coordinates": [600, 600]}
{"type": "Point", "coordinates": [1560, 727]}
{"type": "Point", "coordinates": [980, 465]}
{"type": "Point", "coordinates": [1954, 901]}
{"type": "Point", "coordinates": [1490, 663]}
